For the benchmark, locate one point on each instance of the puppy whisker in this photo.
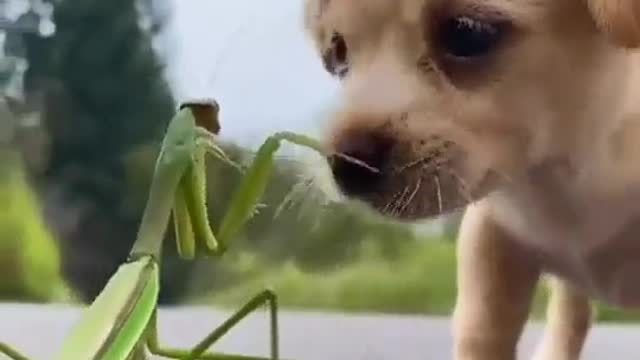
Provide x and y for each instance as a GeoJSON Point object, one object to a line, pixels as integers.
{"type": "Point", "coordinates": [399, 203]}
{"type": "Point", "coordinates": [411, 164]}
{"type": "Point", "coordinates": [357, 162]}
{"type": "Point", "coordinates": [386, 208]}
{"type": "Point", "coordinates": [415, 191]}
{"type": "Point", "coordinates": [463, 187]}
{"type": "Point", "coordinates": [438, 192]}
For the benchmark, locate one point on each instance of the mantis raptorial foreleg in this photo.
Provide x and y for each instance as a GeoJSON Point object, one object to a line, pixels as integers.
{"type": "Point", "coordinates": [11, 353]}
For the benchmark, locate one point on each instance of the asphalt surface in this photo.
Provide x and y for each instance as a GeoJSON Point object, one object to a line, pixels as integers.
{"type": "Point", "coordinates": [37, 330]}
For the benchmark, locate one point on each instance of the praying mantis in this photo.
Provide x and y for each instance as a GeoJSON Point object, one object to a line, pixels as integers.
{"type": "Point", "coordinates": [121, 323]}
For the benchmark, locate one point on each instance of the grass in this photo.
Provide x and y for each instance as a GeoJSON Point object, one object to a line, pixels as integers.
{"type": "Point", "coordinates": [27, 249]}
{"type": "Point", "coordinates": [405, 285]}
{"type": "Point", "coordinates": [420, 281]}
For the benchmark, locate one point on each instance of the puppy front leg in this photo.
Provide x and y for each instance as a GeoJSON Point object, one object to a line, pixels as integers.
{"type": "Point", "coordinates": [569, 318]}
{"type": "Point", "coordinates": [496, 281]}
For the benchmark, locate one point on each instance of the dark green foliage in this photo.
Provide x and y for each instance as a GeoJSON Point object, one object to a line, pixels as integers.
{"type": "Point", "coordinates": [104, 93]}
{"type": "Point", "coordinates": [110, 81]}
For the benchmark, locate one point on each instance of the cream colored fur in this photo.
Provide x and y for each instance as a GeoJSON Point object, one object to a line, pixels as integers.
{"type": "Point", "coordinates": [554, 116]}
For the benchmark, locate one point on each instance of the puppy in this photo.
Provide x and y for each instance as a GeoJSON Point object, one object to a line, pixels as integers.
{"type": "Point", "coordinates": [524, 113]}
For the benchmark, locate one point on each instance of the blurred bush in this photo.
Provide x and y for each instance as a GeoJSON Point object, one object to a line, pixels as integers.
{"type": "Point", "coordinates": [420, 279]}
{"type": "Point", "coordinates": [100, 87]}
{"type": "Point", "coordinates": [29, 257]}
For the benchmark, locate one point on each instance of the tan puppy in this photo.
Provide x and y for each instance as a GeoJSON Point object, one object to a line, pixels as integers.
{"type": "Point", "coordinates": [527, 113]}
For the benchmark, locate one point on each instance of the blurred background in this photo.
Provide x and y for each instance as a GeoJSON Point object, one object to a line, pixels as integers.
{"type": "Point", "coordinates": [86, 90]}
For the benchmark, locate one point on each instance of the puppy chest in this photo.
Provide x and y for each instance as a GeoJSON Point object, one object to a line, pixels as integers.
{"type": "Point", "coordinates": [613, 267]}
{"type": "Point", "coordinates": [598, 249]}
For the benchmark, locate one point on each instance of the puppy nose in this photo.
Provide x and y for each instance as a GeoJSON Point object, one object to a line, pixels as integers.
{"type": "Point", "coordinates": [361, 157]}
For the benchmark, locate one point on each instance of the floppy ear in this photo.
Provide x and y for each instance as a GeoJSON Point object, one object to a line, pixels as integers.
{"type": "Point", "coordinates": [312, 15]}
{"type": "Point", "coordinates": [312, 11]}
{"type": "Point", "coordinates": [618, 19]}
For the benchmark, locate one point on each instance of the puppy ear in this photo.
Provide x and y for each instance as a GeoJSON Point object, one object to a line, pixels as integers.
{"type": "Point", "coordinates": [313, 16]}
{"type": "Point", "coordinates": [618, 19]}
{"type": "Point", "coordinates": [313, 10]}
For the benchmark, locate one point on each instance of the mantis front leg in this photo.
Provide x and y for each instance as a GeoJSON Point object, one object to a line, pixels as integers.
{"type": "Point", "coordinates": [193, 230]}
{"type": "Point", "coordinates": [11, 353]}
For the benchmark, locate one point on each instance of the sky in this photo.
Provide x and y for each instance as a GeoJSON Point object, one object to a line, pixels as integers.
{"type": "Point", "coordinates": [254, 58]}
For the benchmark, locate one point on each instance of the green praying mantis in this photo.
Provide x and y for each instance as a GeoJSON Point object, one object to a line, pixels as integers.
{"type": "Point", "coordinates": [121, 323]}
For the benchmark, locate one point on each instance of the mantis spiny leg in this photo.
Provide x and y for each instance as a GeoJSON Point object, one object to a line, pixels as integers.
{"type": "Point", "coordinates": [199, 352]}
{"type": "Point", "coordinates": [11, 353]}
{"type": "Point", "coordinates": [255, 180]}
{"type": "Point", "coordinates": [191, 214]}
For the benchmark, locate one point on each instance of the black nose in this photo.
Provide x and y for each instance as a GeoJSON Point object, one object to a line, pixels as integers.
{"type": "Point", "coordinates": [360, 161]}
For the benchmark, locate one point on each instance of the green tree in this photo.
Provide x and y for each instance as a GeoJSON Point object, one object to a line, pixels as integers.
{"type": "Point", "coordinates": [103, 94]}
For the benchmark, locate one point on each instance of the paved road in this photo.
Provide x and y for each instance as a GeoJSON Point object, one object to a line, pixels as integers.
{"type": "Point", "coordinates": [304, 335]}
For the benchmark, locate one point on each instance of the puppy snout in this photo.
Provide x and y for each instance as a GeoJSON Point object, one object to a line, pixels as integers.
{"type": "Point", "coordinates": [359, 162]}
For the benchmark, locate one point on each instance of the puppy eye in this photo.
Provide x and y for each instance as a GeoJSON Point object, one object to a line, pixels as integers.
{"type": "Point", "coordinates": [335, 58]}
{"type": "Point", "coordinates": [464, 37]}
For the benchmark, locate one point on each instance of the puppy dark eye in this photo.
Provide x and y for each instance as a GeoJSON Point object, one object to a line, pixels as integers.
{"type": "Point", "coordinates": [335, 57]}
{"type": "Point", "coordinates": [464, 37]}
